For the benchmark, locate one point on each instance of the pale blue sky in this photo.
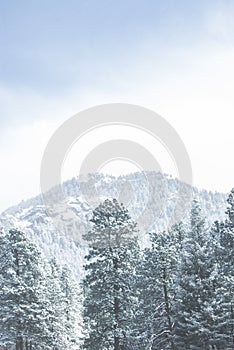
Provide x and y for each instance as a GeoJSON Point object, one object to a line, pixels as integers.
{"type": "Point", "coordinates": [50, 46]}
{"type": "Point", "coordinates": [61, 56]}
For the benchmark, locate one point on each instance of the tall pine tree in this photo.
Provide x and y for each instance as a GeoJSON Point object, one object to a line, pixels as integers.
{"type": "Point", "coordinates": [110, 298]}
{"type": "Point", "coordinates": [22, 312]}
{"type": "Point", "coordinates": [71, 304]}
{"type": "Point", "coordinates": [196, 298]}
{"type": "Point", "coordinates": [157, 290]}
{"type": "Point", "coordinates": [224, 252]}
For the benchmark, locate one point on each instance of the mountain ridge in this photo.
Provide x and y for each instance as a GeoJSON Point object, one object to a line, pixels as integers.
{"type": "Point", "coordinates": [154, 200]}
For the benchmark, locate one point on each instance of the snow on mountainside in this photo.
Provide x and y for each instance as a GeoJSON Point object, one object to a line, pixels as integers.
{"type": "Point", "coordinates": [154, 201]}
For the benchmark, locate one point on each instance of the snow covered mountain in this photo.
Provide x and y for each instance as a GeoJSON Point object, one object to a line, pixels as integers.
{"type": "Point", "coordinates": [154, 200]}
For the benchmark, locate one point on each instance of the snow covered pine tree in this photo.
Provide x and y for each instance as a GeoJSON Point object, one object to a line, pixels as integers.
{"type": "Point", "coordinates": [22, 313]}
{"type": "Point", "coordinates": [196, 295]}
{"type": "Point", "coordinates": [39, 300]}
{"type": "Point", "coordinates": [223, 234]}
{"type": "Point", "coordinates": [157, 289]}
{"type": "Point", "coordinates": [109, 296]}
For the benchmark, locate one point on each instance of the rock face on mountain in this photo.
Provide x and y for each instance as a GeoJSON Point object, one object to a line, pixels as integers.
{"type": "Point", "coordinates": [155, 201]}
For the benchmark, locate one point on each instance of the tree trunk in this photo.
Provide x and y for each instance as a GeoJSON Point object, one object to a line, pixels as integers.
{"type": "Point", "coordinates": [168, 309]}
{"type": "Point", "coordinates": [116, 309]}
{"type": "Point", "coordinates": [21, 343]}
{"type": "Point", "coordinates": [116, 306]}
{"type": "Point", "coordinates": [17, 347]}
{"type": "Point", "coordinates": [232, 324]}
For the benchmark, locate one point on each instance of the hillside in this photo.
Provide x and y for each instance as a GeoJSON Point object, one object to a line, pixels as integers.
{"type": "Point", "coordinates": [154, 200]}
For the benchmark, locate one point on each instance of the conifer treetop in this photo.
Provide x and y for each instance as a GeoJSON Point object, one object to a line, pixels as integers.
{"type": "Point", "coordinates": [112, 226]}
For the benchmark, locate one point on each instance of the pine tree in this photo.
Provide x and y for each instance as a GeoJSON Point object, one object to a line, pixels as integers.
{"type": "Point", "coordinates": [39, 300]}
{"type": "Point", "coordinates": [157, 290]}
{"type": "Point", "coordinates": [196, 294]}
{"type": "Point", "coordinates": [22, 315]}
{"type": "Point", "coordinates": [224, 232]}
{"type": "Point", "coordinates": [71, 304]}
{"type": "Point", "coordinates": [55, 325]}
{"type": "Point", "coordinates": [110, 299]}
{"type": "Point", "coordinates": [220, 303]}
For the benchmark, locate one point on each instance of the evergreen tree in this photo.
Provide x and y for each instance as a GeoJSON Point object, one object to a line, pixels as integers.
{"type": "Point", "coordinates": [70, 301]}
{"type": "Point", "coordinates": [224, 234]}
{"type": "Point", "coordinates": [157, 290]}
{"type": "Point", "coordinates": [220, 303]}
{"type": "Point", "coordinates": [196, 293]}
{"type": "Point", "coordinates": [110, 298]}
{"type": "Point", "coordinates": [55, 308]}
{"type": "Point", "coordinates": [22, 315]}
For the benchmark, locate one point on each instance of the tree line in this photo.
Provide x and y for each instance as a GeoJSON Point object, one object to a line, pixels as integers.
{"type": "Point", "coordinates": [39, 299]}
{"type": "Point", "coordinates": [175, 294]}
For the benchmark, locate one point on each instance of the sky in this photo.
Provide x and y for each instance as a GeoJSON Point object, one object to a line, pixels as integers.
{"type": "Point", "coordinates": [61, 57]}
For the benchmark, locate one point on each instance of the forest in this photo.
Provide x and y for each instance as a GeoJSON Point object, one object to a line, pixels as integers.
{"type": "Point", "coordinates": [177, 293]}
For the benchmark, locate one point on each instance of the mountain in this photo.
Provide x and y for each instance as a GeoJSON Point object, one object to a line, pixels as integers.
{"type": "Point", "coordinates": [56, 220]}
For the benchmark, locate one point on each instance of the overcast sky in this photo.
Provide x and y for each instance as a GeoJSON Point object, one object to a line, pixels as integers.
{"type": "Point", "coordinates": [59, 57]}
